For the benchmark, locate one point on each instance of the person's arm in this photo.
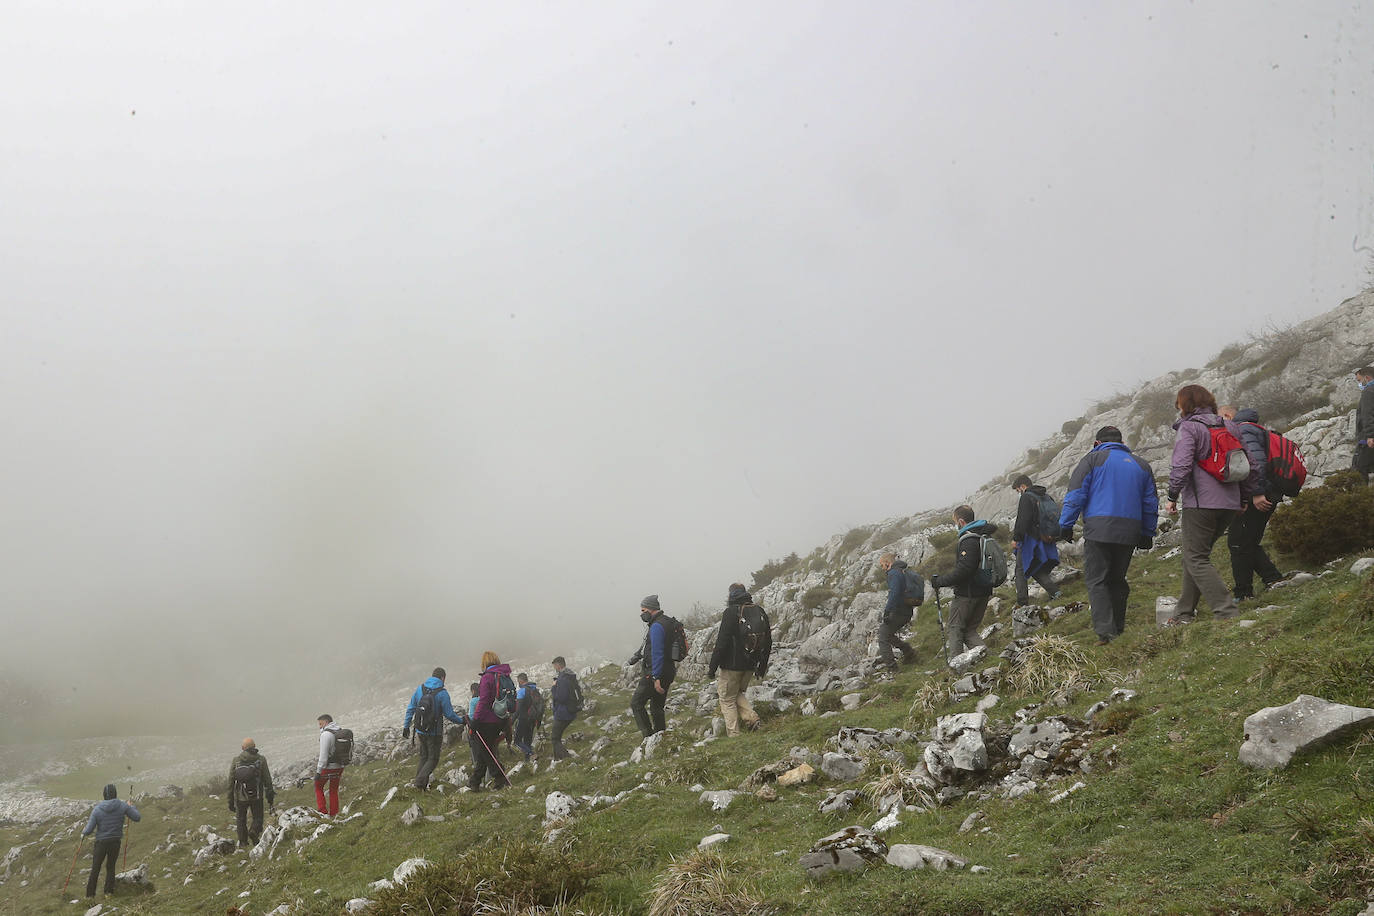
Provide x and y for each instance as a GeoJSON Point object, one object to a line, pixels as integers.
{"type": "Point", "coordinates": [446, 707]}
{"type": "Point", "coordinates": [132, 812]}
{"type": "Point", "coordinates": [410, 708]}
{"type": "Point", "coordinates": [326, 745]}
{"type": "Point", "coordinates": [1080, 487]}
{"type": "Point", "coordinates": [894, 591]}
{"type": "Point", "coordinates": [656, 648]}
{"type": "Point", "coordinates": [267, 788]}
{"type": "Point", "coordinates": [1149, 501]}
{"type": "Point", "coordinates": [723, 635]}
{"type": "Point", "coordinates": [767, 650]}
{"type": "Point", "coordinates": [1249, 486]}
{"type": "Point", "coordinates": [486, 692]}
{"type": "Point", "coordinates": [1184, 458]}
{"type": "Point", "coordinates": [1025, 511]}
{"type": "Point", "coordinates": [90, 825]}
{"type": "Point", "coordinates": [965, 563]}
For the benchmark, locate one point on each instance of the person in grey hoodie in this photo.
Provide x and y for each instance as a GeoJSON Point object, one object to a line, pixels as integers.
{"type": "Point", "coordinates": [107, 823]}
{"type": "Point", "coordinates": [1209, 505]}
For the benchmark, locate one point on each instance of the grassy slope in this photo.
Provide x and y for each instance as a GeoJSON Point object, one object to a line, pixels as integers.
{"type": "Point", "coordinates": [1178, 826]}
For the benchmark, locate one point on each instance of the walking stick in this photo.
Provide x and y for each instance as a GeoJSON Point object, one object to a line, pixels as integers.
{"type": "Point", "coordinates": [492, 754]}
{"type": "Point", "coordinates": [940, 619]}
{"type": "Point", "coordinates": [128, 832]}
{"type": "Point", "coordinates": [80, 841]}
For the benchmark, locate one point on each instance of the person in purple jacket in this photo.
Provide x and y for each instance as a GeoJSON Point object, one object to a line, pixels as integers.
{"type": "Point", "coordinates": [489, 728]}
{"type": "Point", "coordinates": [1209, 505]}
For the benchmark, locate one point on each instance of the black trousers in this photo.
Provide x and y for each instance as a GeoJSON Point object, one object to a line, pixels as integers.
{"type": "Point", "coordinates": [1105, 567]}
{"type": "Point", "coordinates": [1247, 554]}
{"type": "Point", "coordinates": [106, 853]}
{"type": "Point", "coordinates": [431, 746]}
{"type": "Point", "coordinates": [646, 696]}
{"type": "Point", "coordinates": [889, 640]}
{"type": "Point", "coordinates": [486, 739]}
{"type": "Point", "coordinates": [248, 832]}
{"type": "Point", "coordinates": [559, 726]}
{"type": "Point", "coordinates": [1040, 574]}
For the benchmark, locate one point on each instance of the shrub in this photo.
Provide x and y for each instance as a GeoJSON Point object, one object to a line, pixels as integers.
{"type": "Point", "coordinates": [775, 568]}
{"type": "Point", "coordinates": [1228, 354]}
{"type": "Point", "coordinates": [817, 596]}
{"type": "Point", "coordinates": [1054, 667]}
{"type": "Point", "coordinates": [943, 539]}
{"type": "Point", "coordinates": [1277, 402]}
{"type": "Point", "coordinates": [854, 538]}
{"type": "Point", "coordinates": [1326, 522]}
{"type": "Point", "coordinates": [1071, 427]}
{"type": "Point", "coordinates": [705, 883]}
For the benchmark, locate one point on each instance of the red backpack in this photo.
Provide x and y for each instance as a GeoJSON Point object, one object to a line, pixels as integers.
{"type": "Point", "coordinates": [1225, 459]}
{"type": "Point", "coordinates": [1286, 469]}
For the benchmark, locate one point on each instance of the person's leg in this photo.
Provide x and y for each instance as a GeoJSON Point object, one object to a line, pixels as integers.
{"type": "Point", "coordinates": [431, 746]}
{"type": "Point", "coordinates": [1209, 582]}
{"type": "Point", "coordinates": [1195, 544]}
{"type": "Point", "coordinates": [559, 751]}
{"type": "Point", "coordinates": [1264, 566]}
{"type": "Point", "coordinates": [746, 709]}
{"type": "Point", "coordinates": [956, 628]}
{"type": "Point", "coordinates": [97, 859]}
{"type": "Point", "coordinates": [656, 702]}
{"type": "Point", "coordinates": [1044, 574]}
{"type": "Point", "coordinates": [241, 821]}
{"type": "Point", "coordinates": [1022, 585]}
{"type": "Point", "coordinates": [886, 634]}
{"type": "Point", "coordinates": [977, 608]}
{"type": "Point", "coordinates": [111, 862]}
{"type": "Point", "coordinates": [1097, 568]}
{"type": "Point", "coordinates": [481, 760]}
{"type": "Point", "coordinates": [1118, 587]}
{"type": "Point", "coordinates": [1242, 541]}
{"type": "Point", "coordinates": [727, 692]}
{"type": "Point", "coordinates": [493, 733]}
{"type": "Point", "coordinates": [333, 775]}
{"type": "Point", "coordinates": [643, 693]}
{"type": "Point", "coordinates": [255, 830]}
{"type": "Point", "coordinates": [321, 781]}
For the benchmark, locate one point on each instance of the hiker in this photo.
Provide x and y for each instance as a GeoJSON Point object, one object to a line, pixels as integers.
{"type": "Point", "coordinates": [1248, 556]}
{"type": "Point", "coordinates": [1113, 490]}
{"type": "Point", "coordinates": [495, 687]}
{"type": "Point", "coordinates": [897, 613]}
{"type": "Point", "coordinates": [529, 713]}
{"type": "Point", "coordinates": [107, 822]}
{"type": "Point", "coordinates": [250, 781]}
{"type": "Point", "coordinates": [1032, 539]}
{"type": "Point", "coordinates": [330, 765]}
{"type": "Point", "coordinates": [566, 694]}
{"type": "Point", "coordinates": [971, 590]}
{"type": "Point", "coordinates": [1363, 460]}
{"type": "Point", "coordinates": [743, 644]}
{"type": "Point", "coordinates": [657, 669]}
{"type": "Point", "coordinates": [429, 706]}
{"type": "Point", "coordinates": [1209, 503]}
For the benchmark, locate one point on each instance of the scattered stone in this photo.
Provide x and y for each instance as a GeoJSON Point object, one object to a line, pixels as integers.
{"type": "Point", "coordinates": [849, 850]}
{"type": "Point", "coordinates": [1300, 578]}
{"type": "Point", "coordinates": [851, 701]}
{"type": "Point", "coordinates": [558, 806]}
{"type": "Point", "coordinates": [1165, 605]}
{"type": "Point", "coordinates": [358, 905]}
{"type": "Point", "coordinates": [1246, 624]}
{"type": "Point", "coordinates": [390, 794]}
{"type": "Point", "coordinates": [972, 821]}
{"type": "Point", "coordinates": [767, 793]}
{"type": "Point", "coordinates": [843, 767]}
{"type": "Point", "coordinates": [1046, 735]}
{"type": "Point", "coordinates": [1060, 796]}
{"type": "Point", "coordinates": [808, 707]}
{"type": "Point", "coordinates": [215, 845]}
{"type": "Point", "coordinates": [966, 660]}
{"type": "Point", "coordinates": [646, 748]}
{"type": "Point", "coordinates": [135, 877]}
{"type": "Point", "coordinates": [978, 869]}
{"type": "Point", "coordinates": [1362, 565]}
{"type": "Point", "coordinates": [988, 702]}
{"type": "Point", "coordinates": [412, 815]}
{"type": "Point", "coordinates": [966, 686]}
{"type": "Point", "coordinates": [1276, 733]}
{"type": "Point", "coordinates": [714, 839]}
{"type": "Point", "coordinates": [911, 856]}
{"type": "Point", "coordinates": [719, 800]}
{"type": "Point", "coordinates": [957, 747]}
{"type": "Point", "coordinates": [990, 631]}
{"type": "Point", "coordinates": [888, 821]}
{"type": "Point", "coordinates": [797, 776]}
{"type": "Point", "coordinates": [839, 802]}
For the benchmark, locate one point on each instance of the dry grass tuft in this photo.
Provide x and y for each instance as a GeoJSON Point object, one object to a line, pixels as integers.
{"type": "Point", "coordinates": [895, 779]}
{"type": "Point", "coordinates": [1055, 668]}
{"type": "Point", "coordinates": [705, 883]}
{"type": "Point", "coordinates": [930, 696]}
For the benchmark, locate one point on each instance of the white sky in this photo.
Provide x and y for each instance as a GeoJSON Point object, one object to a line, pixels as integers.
{"type": "Point", "coordinates": [479, 322]}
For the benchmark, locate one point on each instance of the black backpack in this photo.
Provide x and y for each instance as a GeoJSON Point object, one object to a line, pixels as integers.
{"type": "Point", "coordinates": [427, 709]}
{"type": "Point", "coordinates": [536, 705]}
{"type": "Point", "coordinates": [677, 638]}
{"type": "Point", "coordinates": [575, 699]}
{"type": "Point", "coordinates": [248, 780]}
{"type": "Point", "coordinates": [754, 630]}
{"type": "Point", "coordinates": [1049, 516]}
{"type": "Point", "coordinates": [503, 704]}
{"type": "Point", "coordinates": [343, 748]}
{"type": "Point", "coordinates": [913, 588]}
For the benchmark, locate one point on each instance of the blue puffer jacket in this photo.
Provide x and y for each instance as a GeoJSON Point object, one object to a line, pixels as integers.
{"type": "Point", "coordinates": [107, 819]}
{"type": "Point", "coordinates": [1114, 491]}
{"type": "Point", "coordinates": [442, 703]}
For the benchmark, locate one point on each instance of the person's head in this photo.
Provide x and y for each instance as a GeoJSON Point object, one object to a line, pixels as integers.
{"type": "Point", "coordinates": [474, 688]}
{"type": "Point", "coordinates": [1021, 484]}
{"type": "Point", "coordinates": [522, 678]}
{"type": "Point", "coordinates": [559, 663]}
{"type": "Point", "coordinates": [110, 791]}
{"type": "Point", "coordinates": [649, 607]}
{"type": "Point", "coordinates": [324, 719]}
{"type": "Point", "coordinates": [440, 673]}
{"type": "Point", "coordinates": [1227, 411]}
{"type": "Point", "coordinates": [964, 516]}
{"type": "Point", "coordinates": [886, 561]}
{"type": "Point", "coordinates": [1194, 397]}
{"type": "Point", "coordinates": [249, 744]}
{"type": "Point", "coordinates": [1107, 434]}
{"type": "Point", "coordinates": [1364, 376]}
{"type": "Point", "coordinates": [737, 593]}
{"type": "Point", "coordinates": [489, 658]}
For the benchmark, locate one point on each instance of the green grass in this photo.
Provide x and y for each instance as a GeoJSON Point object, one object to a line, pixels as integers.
{"type": "Point", "coordinates": [1177, 826]}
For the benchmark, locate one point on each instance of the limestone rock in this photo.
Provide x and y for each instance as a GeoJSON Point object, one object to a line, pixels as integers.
{"type": "Point", "coordinates": [135, 877]}
{"type": "Point", "coordinates": [390, 794]}
{"type": "Point", "coordinates": [647, 747]}
{"type": "Point", "coordinates": [843, 767]}
{"type": "Point", "coordinates": [911, 856]}
{"type": "Point", "coordinates": [988, 702]}
{"type": "Point", "coordinates": [1165, 607]}
{"type": "Point", "coordinates": [714, 839]}
{"type": "Point", "coordinates": [558, 806]}
{"type": "Point", "coordinates": [1362, 565]}
{"type": "Point", "coordinates": [215, 845]}
{"type": "Point", "coordinates": [412, 815]}
{"type": "Point", "coordinates": [839, 802]}
{"type": "Point", "coordinates": [767, 793]}
{"type": "Point", "coordinates": [402, 872]}
{"type": "Point", "coordinates": [1046, 735]}
{"type": "Point", "coordinates": [851, 701]}
{"type": "Point", "coordinates": [358, 905]}
{"type": "Point", "coordinates": [719, 800]}
{"type": "Point", "coordinates": [1276, 733]}
{"type": "Point", "coordinates": [848, 850]}
{"type": "Point", "coordinates": [966, 660]}
{"type": "Point", "coordinates": [797, 775]}
{"type": "Point", "coordinates": [888, 821]}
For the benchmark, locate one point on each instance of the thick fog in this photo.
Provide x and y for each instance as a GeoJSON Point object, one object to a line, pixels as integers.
{"type": "Point", "coordinates": [343, 338]}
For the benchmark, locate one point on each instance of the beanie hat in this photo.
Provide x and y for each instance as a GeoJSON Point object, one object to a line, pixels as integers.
{"type": "Point", "coordinates": [1108, 434]}
{"type": "Point", "coordinates": [650, 602]}
{"type": "Point", "coordinates": [109, 791]}
{"type": "Point", "coordinates": [738, 594]}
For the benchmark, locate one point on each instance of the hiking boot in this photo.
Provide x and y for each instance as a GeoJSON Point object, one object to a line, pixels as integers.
{"type": "Point", "coordinates": [753, 726]}
{"type": "Point", "coordinates": [908, 656]}
{"type": "Point", "coordinates": [1103, 641]}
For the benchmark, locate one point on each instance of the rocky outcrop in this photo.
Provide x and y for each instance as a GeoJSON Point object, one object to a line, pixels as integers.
{"type": "Point", "coordinates": [1276, 733]}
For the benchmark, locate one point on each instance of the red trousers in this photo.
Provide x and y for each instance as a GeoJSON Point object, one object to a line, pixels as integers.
{"type": "Point", "coordinates": [330, 776]}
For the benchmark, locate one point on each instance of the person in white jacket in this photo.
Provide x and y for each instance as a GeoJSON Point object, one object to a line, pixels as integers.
{"type": "Point", "coordinates": [327, 771]}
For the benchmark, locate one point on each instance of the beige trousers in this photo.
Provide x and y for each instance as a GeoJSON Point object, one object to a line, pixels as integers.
{"type": "Point", "coordinates": [734, 704]}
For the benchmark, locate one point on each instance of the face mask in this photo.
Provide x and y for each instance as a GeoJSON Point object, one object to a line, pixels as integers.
{"type": "Point", "coordinates": [1363, 385]}
{"type": "Point", "coordinates": [646, 616]}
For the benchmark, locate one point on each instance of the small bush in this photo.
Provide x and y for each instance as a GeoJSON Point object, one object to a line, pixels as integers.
{"type": "Point", "coordinates": [854, 538]}
{"type": "Point", "coordinates": [1277, 402]}
{"type": "Point", "coordinates": [705, 883]}
{"type": "Point", "coordinates": [775, 568]}
{"type": "Point", "coordinates": [1053, 667]}
{"type": "Point", "coordinates": [942, 539]}
{"type": "Point", "coordinates": [1326, 522]}
{"type": "Point", "coordinates": [1114, 720]}
{"type": "Point", "coordinates": [1071, 427]}
{"type": "Point", "coordinates": [817, 596]}
{"type": "Point", "coordinates": [1228, 354]}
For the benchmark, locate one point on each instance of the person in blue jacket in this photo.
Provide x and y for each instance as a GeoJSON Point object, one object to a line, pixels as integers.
{"type": "Point", "coordinates": [657, 670]}
{"type": "Point", "coordinates": [107, 823]}
{"type": "Point", "coordinates": [429, 706]}
{"type": "Point", "coordinates": [1113, 490]}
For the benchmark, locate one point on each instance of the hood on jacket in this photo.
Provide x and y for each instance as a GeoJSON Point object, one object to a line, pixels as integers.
{"type": "Point", "coordinates": [110, 791]}
{"type": "Point", "coordinates": [500, 668]}
{"type": "Point", "coordinates": [899, 564]}
{"type": "Point", "coordinates": [981, 527]}
{"type": "Point", "coordinates": [433, 683]}
{"type": "Point", "coordinates": [1248, 415]}
{"type": "Point", "coordinates": [250, 751]}
{"type": "Point", "coordinates": [1037, 489]}
{"type": "Point", "coordinates": [1202, 413]}
{"type": "Point", "coordinates": [739, 595]}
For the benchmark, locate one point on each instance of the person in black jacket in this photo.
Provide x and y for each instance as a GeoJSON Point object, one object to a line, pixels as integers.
{"type": "Point", "coordinates": [897, 613]}
{"type": "Point", "coordinates": [1364, 423]}
{"type": "Point", "coordinates": [744, 643]}
{"type": "Point", "coordinates": [1036, 556]}
{"type": "Point", "coordinates": [970, 596]}
{"type": "Point", "coordinates": [1248, 556]}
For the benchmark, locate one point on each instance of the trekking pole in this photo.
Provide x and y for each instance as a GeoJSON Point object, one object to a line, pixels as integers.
{"type": "Point", "coordinates": [128, 832]}
{"type": "Point", "coordinates": [940, 619]}
{"type": "Point", "coordinates": [492, 754]}
{"type": "Point", "coordinates": [80, 841]}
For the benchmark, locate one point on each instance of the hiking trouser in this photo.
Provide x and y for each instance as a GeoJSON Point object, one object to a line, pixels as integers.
{"type": "Point", "coordinates": [485, 763]}
{"type": "Point", "coordinates": [1040, 574]}
{"type": "Point", "coordinates": [1247, 554]}
{"type": "Point", "coordinates": [524, 737]}
{"type": "Point", "coordinates": [248, 832]}
{"type": "Point", "coordinates": [734, 701]}
{"type": "Point", "coordinates": [559, 726]}
{"type": "Point", "coordinates": [1201, 529]}
{"type": "Point", "coordinates": [965, 617]}
{"type": "Point", "coordinates": [646, 696]}
{"type": "Point", "coordinates": [889, 640]}
{"type": "Point", "coordinates": [1104, 572]}
{"type": "Point", "coordinates": [106, 853]}
{"type": "Point", "coordinates": [431, 746]}
{"type": "Point", "coordinates": [329, 777]}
